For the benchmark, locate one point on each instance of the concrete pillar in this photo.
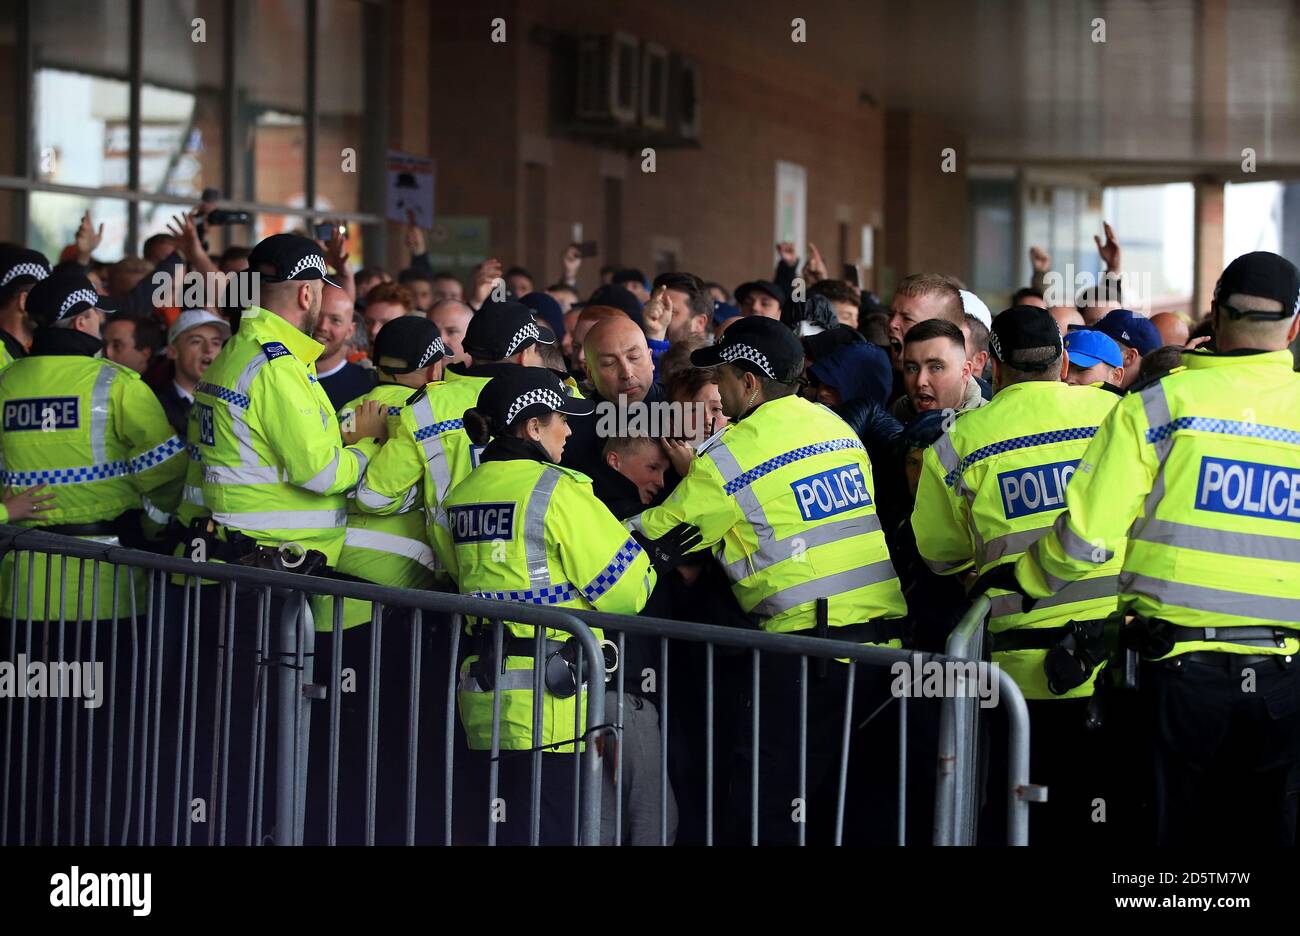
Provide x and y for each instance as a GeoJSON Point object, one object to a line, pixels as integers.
{"type": "Point", "coordinates": [1207, 242]}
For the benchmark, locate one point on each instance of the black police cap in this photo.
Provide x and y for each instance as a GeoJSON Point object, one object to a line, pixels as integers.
{"type": "Point", "coordinates": [760, 345]}
{"type": "Point", "coordinates": [525, 392]}
{"type": "Point", "coordinates": [1263, 275]}
{"type": "Point", "coordinates": [408, 343]}
{"type": "Point", "coordinates": [499, 330]}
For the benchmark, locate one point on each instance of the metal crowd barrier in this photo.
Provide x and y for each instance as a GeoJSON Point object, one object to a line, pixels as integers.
{"type": "Point", "coordinates": [143, 784]}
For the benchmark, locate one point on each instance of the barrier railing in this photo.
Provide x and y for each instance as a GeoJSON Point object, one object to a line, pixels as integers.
{"type": "Point", "coordinates": [772, 731]}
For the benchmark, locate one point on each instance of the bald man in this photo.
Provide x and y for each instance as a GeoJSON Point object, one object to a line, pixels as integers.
{"type": "Point", "coordinates": [585, 321]}
{"type": "Point", "coordinates": [1173, 329]}
{"type": "Point", "coordinates": [621, 369]}
{"type": "Point", "coordinates": [342, 380]}
{"type": "Point", "coordinates": [1065, 317]}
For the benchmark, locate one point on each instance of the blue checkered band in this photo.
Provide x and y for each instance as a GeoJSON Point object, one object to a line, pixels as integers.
{"type": "Point", "coordinates": [157, 455]}
{"type": "Point", "coordinates": [612, 572]}
{"type": "Point", "coordinates": [438, 428]}
{"type": "Point", "coordinates": [1224, 427]}
{"type": "Point", "coordinates": [221, 393]}
{"type": "Point", "coordinates": [193, 452]}
{"type": "Point", "coordinates": [394, 411]}
{"type": "Point", "coordinates": [311, 378]}
{"type": "Point", "coordinates": [807, 451]}
{"type": "Point", "coordinates": [547, 595]}
{"type": "Point", "coordinates": [65, 475]}
{"type": "Point", "coordinates": [1019, 442]}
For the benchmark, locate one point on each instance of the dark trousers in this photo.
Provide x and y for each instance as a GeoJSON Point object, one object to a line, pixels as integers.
{"type": "Point", "coordinates": [395, 760]}
{"type": "Point", "coordinates": [779, 810]}
{"type": "Point", "coordinates": [1072, 761]}
{"type": "Point", "coordinates": [1225, 751]}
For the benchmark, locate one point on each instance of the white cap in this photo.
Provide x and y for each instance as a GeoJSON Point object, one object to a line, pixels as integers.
{"type": "Point", "coordinates": [974, 306]}
{"type": "Point", "coordinates": [193, 318]}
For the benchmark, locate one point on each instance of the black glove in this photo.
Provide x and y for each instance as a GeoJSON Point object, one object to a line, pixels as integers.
{"type": "Point", "coordinates": [671, 548]}
{"type": "Point", "coordinates": [1004, 577]}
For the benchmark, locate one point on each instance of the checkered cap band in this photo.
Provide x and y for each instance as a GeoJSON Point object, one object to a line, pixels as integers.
{"type": "Point", "coordinates": [548, 398]}
{"type": "Point", "coordinates": [309, 262]}
{"type": "Point", "coordinates": [34, 270]}
{"type": "Point", "coordinates": [79, 295]}
{"type": "Point", "coordinates": [436, 347]}
{"type": "Point", "coordinates": [748, 353]}
{"type": "Point", "coordinates": [528, 331]}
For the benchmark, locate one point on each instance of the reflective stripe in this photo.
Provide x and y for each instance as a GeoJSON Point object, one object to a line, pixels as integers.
{"type": "Point", "coordinates": [610, 575]}
{"type": "Point", "coordinates": [428, 434]}
{"type": "Point", "coordinates": [535, 561]}
{"type": "Point", "coordinates": [946, 453]}
{"type": "Point", "coordinates": [1225, 542]}
{"type": "Point", "coordinates": [99, 413]}
{"type": "Point", "coordinates": [324, 479]}
{"type": "Point", "coordinates": [1161, 435]}
{"type": "Point", "coordinates": [1106, 586]}
{"type": "Point", "coordinates": [154, 513]}
{"type": "Point", "coordinates": [828, 586]}
{"type": "Point", "coordinates": [771, 551]}
{"type": "Point", "coordinates": [744, 480]}
{"type": "Point", "coordinates": [163, 451]}
{"type": "Point", "coordinates": [509, 681]}
{"type": "Point", "coordinates": [79, 475]}
{"type": "Point", "coordinates": [548, 594]}
{"type": "Point", "coordinates": [725, 462]}
{"type": "Point", "coordinates": [1211, 600]}
{"type": "Point", "coordinates": [943, 568]}
{"type": "Point", "coordinates": [634, 524]}
{"type": "Point", "coordinates": [1053, 582]}
{"type": "Point", "coordinates": [223, 474]}
{"type": "Point", "coordinates": [1008, 544]}
{"type": "Point", "coordinates": [284, 519]}
{"type": "Point", "coordinates": [193, 494]}
{"type": "Point", "coordinates": [376, 501]}
{"type": "Point", "coordinates": [1076, 547]}
{"type": "Point", "coordinates": [1019, 442]}
{"type": "Point", "coordinates": [363, 461]}
{"type": "Point", "coordinates": [1156, 406]}
{"type": "Point", "coordinates": [392, 544]}
{"type": "Point", "coordinates": [238, 418]}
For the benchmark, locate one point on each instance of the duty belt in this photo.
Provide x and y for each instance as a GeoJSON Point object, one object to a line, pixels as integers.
{"type": "Point", "coordinates": [1154, 638]}
{"type": "Point", "coordinates": [1029, 638]}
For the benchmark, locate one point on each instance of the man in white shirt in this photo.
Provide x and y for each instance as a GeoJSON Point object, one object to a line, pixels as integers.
{"type": "Point", "coordinates": [194, 341]}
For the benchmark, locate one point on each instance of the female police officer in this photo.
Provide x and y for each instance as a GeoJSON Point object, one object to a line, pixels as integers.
{"type": "Point", "coordinates": [521, 528]}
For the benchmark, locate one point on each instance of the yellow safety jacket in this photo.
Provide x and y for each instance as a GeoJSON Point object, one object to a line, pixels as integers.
{"type": "Point", "coordinates": [785, 499]}
{"type": "Point", "coordinates": [992, 485]}
{"type": "Point", "coordinates": [274, 466]}
{"type": "Point", "coordinates": [97, 435]}
{"type": "Point", "coordinates": [1201, 472]}
{"type": "Point", "coordinates": [524, 530]}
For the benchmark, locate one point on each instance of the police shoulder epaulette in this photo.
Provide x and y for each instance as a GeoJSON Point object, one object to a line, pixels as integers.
{"type": "Point", "coordinates": [573, 473]}
{"type": "Point", "coordinates": [417, 396]}
{"type": "Point", "coordinates": [123, 369]}
{"type": "Point", "coordinates": [1140, 385]}
{"type": "Point", "coordinates": [274, 349]}
{"type": "Point", "coordinates": [710, 441]}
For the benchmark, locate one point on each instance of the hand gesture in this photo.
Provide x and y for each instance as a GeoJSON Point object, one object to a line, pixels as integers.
{"type": "Point", "coordinates": [1040, 259]}
{"type": "Point", "coordinates": [815, 269]}
{"type": "Point", "coordinates": [785, 250]}
{"type": "Point", "coordinates": [336, 249]}
{"type": "Point", "coordinates": [1110, 250]}
{"type": "Point", "coordinates": [414, 237]}
{"type": "Point", "coordinates": [183, 228]}
{"type": "Point", "coordinates": [680, 453]}
{"type": "Point", "coordinates": [88, 238]}
{"type": "Point", "coordinates": [485, 277]}
{"type": "Point", "coordinates": [369, 421]}
{"type": "Point", "coordinates": [657, 314]}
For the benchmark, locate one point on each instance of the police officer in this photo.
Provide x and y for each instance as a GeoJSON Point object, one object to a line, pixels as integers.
{"type": "Point", "coordinates": [20, 270]}
{"type": "Point", "coordinates": [1199, 472]}
{"type": "Point", "coordinates": [785, 493]}
{"type": "Point", "coordinates": [430, 452]}
{"type": "Point", "coordinates": [522, 528]}
{"type": "Point", "coordinates": [989, 487]}
{"type": "Point", "coordinates": [94, 433]}
{"type": "Point", "coordinates": [275, 470]}
{"type": "Point", "coordinates": [394, 551]}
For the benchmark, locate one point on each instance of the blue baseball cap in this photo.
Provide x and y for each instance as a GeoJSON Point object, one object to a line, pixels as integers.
{"type": "Point", "coordinates": [722, 311]}
{"type": "Point", "coordinates": [1131, 329]}
{"type": "Point", "coordinates": [1087, 348]}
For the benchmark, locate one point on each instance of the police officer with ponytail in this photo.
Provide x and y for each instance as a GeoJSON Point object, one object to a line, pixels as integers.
{"type": "Point", "coordinates": [521, 528]}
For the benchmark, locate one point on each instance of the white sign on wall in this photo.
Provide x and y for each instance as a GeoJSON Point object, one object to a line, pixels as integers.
{"type": "Point", "coordinates": [792, 205]}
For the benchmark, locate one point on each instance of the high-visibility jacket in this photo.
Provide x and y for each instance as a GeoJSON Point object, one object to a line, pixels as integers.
{"type": "Point", "coordinates": [388, 550]}
{"type": "Point", "coordinates": [96, 434]}
{"type": "Point", "coordinates": [530, 531]}
{"type": "Point", "coordinates": [992, 485]}
{"type": "Point", "coordinates": [274, 466]}
{"type": "Point", "coordinates": [786, 496]}
{"type": "Point", "coordinates": [430, 452]}
{"type": "Point", "coordinates": [1201, 472]}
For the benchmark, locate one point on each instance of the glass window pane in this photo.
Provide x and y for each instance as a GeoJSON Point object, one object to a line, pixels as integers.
{"type": "Point", "coordinates": [11, 104]}
{"type": "Point", "coordinates": [340, 104]}
{"type": "Point", "coordinates": [82, 104]}
{"type": "Point", "coordinates": [271, 97]}
{"type": "Point", "coordinates": [53, 220]}
{"type": "Point", "coordinates": [180, 98]}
